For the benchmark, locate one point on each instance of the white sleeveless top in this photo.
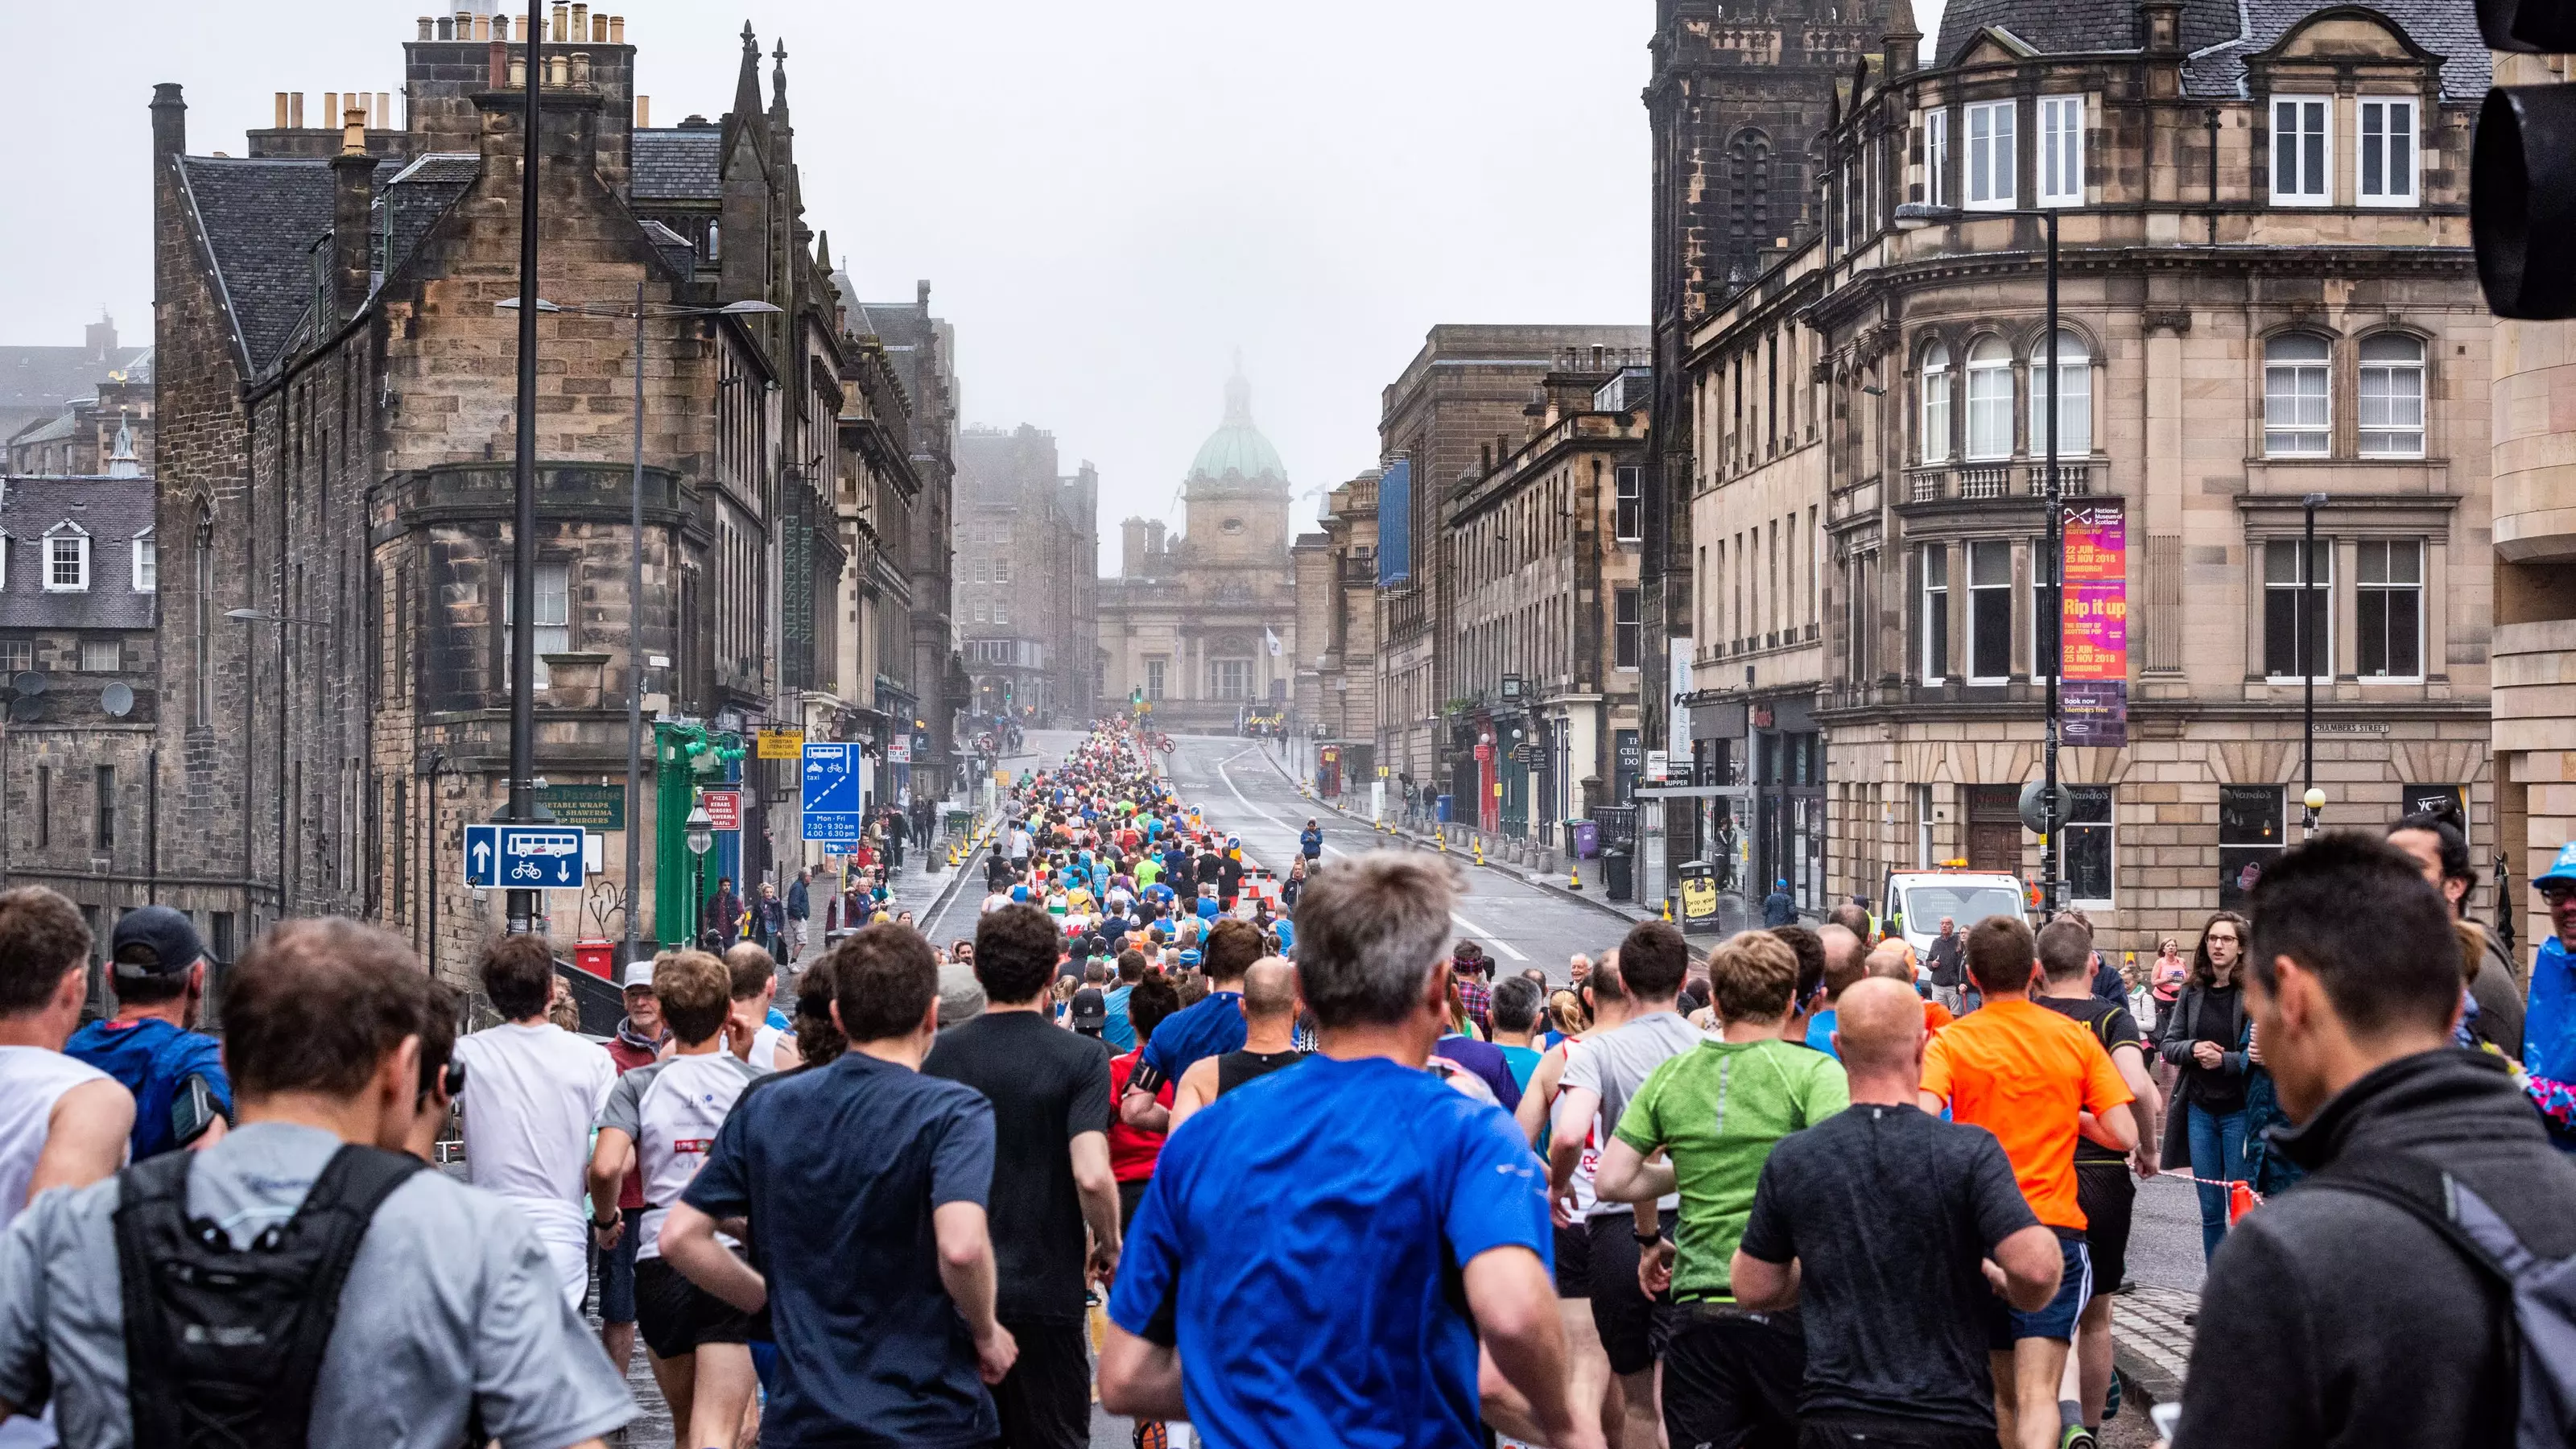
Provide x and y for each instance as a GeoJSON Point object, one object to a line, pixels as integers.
{"type": "Point", "coordinates": [32, 1080]}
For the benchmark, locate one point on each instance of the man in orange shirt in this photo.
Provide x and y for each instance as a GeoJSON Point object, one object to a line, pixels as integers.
{"type": "Point", "coordinates": [2037, 1080]}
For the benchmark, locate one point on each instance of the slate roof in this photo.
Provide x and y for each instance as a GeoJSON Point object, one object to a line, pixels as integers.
{"type": "Point", "coordinates": [37, 381]}
{"type": "Point", "coordinates": [684, 163]}
{"type": "Point", "coordinates": [675, 248]}
{"type": "Point", "coordinates": [2217, 35]}
{"type": "Point", "coordinates": [260, 218]}
{"type": "Point", "coordinates": [419, 194]}
{"type": "Point", "coordinates": [113, 511]}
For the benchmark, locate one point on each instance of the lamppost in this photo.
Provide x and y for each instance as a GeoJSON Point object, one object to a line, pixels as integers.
{"type": "Point", "coordinates": [701, 838]}
{"type": "Point", "coordinates": [1913, 216]}
{"type": "Point", "coordinates": [522, 807]}
{"type": "Point", "coordinates": [262, 616]}
{"type": "Point", "coordinates": [2312, 798]}
{"type": "Point", "coordinates": [634, 578]}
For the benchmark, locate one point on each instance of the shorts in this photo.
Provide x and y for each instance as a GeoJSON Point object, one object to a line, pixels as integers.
{"type": "Point", "coordinates": [1045, 1400]}
{"type": "Point", "coordinates": [617, 1271]}
{"type": "Point", "coordinates": [1731, 1378]}
{"type": "Point", "coordinates": [1877, 1431]}
{"type": "Point", "coordinates": [1573, 1263]}
{"type": "Point", "coordinates": [2108, 1195]}
{"type": "Point", "coordinates": [676, 1316]}
{"type": "Point", "coordinates": [2007, 1325]}
{"type": "Point", "coordinates": [1620, 1309]}
{"type": "Point", "coordinates": [1129, 1195]}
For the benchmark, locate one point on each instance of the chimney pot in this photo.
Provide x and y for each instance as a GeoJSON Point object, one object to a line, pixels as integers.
{"type": "Point", "coordinates": [562, 10]}
{"type": "Point", "coordinates": [501, 28]}
{"type": "Point", "coordinates": [353, 131]}
{"type": "Point", "coordinates": [384, 111]}
{"type": "Point", "coordinates": [518, 71]}
{"type": "Point", "coordinates": [330, 106]}
{"type": "Point", "coordinates": [295, 110]}
{"type": "Point", "coordinates": [558, 70]}
{"type": "Point", "coordinates": [281, 104]}
{"type": "Point", "coordinates": [428, 28]}
{"type": "Point", "coordinates": [617, 30]}
{"type": "Point", "coordinates": [500, 66]}
{"type": "Point", "coordinates": [581, 67]}
{"type": "Point", "coordinates": [482, 27]}
{"type": "Point", "coordinates": [643, 113]}
{"type": "Point", "coordinates": [446, 27]}
{"type": "Point", "coordinates": [580, 32]}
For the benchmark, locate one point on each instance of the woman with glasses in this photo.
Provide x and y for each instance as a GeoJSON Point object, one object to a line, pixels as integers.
{"type": "Point", "coordinates": [2204, 1037]}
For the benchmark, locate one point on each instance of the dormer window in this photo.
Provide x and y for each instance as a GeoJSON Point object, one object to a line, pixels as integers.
{"type": "Point", "coordinates": [147, 562]}
{"type": "Point", "coordinates": [66, 559]}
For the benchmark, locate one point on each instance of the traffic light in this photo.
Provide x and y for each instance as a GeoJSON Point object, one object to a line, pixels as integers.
{"type": "Point", "coordinates": [2522, 170]}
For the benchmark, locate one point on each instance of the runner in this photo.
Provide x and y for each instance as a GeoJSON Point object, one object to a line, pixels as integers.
{"type": "Point", "coordinates": [1877, 1224]}
{"type": "Point", "coordinates": [1599, 1081]}
{"type": "Point", "coordinates": [2103, 1187]}
{"type": "Point", "coordinates": [660, 1121]}
{"type": "Point", "coordinates": [758, 1033]}
{"type": "Point", "coordinates": [2036, 1080]}
{"type": "Point", "coordinates": [1515, 1015]}
{"type": "Point", "coordinates": [531, 1092]}
{"type": "Point", "coordinates": [639, 1042]}
{"type": "Point", "coordinates": [1210, 1027]}
{"type": "Point", "coordinates": [1132, 1150]}
{"type": "Point", "coordinates": [1588, 1376]}
{"type": "Point", "coordinates": [151, 1046]}
{"type": "Point", "coordinates": [1051, 1175]}
{"type": "Point", "coordinates": [1260, 1195]}
{"type": "Point", "coordinates": [63, 1122]}
{"type": "Point", "coordinates": [1731, 1372]}
{"type": "Point", "coordinates": [449, 1305]}
{"type": "Point", "coordinates": [1270, 1023]}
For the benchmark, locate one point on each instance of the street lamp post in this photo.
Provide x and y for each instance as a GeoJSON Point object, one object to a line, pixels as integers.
{"type": "Point", "coordinates": [523, 481]}
{"type": "Point", "coordinates": [701, 837]}
{"type": "Point", "coordinates": [2311, 799]}
{"type": "Point", "coordinates": [635, 577]}
{"type": "Point", "coordinates": [1912, 216]}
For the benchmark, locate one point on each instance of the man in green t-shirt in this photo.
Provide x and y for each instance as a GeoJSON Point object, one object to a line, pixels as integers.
{"type": "Point", "coordinates": [1715, 1112]}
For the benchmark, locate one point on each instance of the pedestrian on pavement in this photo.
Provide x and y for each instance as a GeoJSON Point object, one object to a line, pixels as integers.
{"type": "Point", "coordinates": [658, 1121]}
{"type": "Point", "coordinates": [532, 1090]}
{"type": "Point", "coordinates": [1597, 1086]}
{"type": "Point", "coordinates": [2104, 1188]}
{"type": "Point", "coordinates": [151, 1045]}
{"type": "Point", "coordinates": [2037, 1081]}
{"type": "Point", "coordinates": [638, 1042]}
{"type": "Point", "coordinates": [1947, 959]}
{"type": "Point", "coordinates": [1709, 1117]}
{"type": "Point", "coordinates": [2205, 1037]}
{"type": "Point", "coordinates": [769, 923]}
{"type": "Point", "coordinates": [1779, 908]}
{"type": "Point", "coordinates": [63, 1122]}
{"type": "Point", "coordinates": [866, 1183]}
{"type": "Point", "coordinates": [1051, 1175]}
{"type": "Point", "coordinates": [1259, 1192]}
{"type": "Point", "coordinates": [2356, 1312]}
{"type": "Point", "coordinates": [1890, 1231]}
{"type": "Point", "coordinates": [1270, 1023]}
{"type": "Point", "coordinates": [800, 910]}
{"type": "Point", "coordinates": [148, 1306]}
{"type": "Point", "coordinates": [2435, 842]}
{"type": "Point", "coordinates": [1208, 1027]}
{"type": "Point", "coordinates": [897, 831]}
{"type": "Point", "coordinates": [723, 914]}
{"type": "Point", "coordinates": [2549, 1030]}
{"type": "Point", "coordinates": [1310, 842]}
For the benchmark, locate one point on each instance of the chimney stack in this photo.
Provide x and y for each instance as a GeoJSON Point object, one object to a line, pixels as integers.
{"type": "Point", "coordinates": [500, 65]}
{"type": "Point", "coordinates": [353, 177]}
{"type": "Point", "coordinates": [169, 124]}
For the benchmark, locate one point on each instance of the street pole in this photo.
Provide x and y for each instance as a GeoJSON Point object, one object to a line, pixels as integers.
{"type": "Point", "coordinates": [634, 652]}
{"type": "Point", "coordinates": [429, 857]}
{"type": "Point", "coordinates": [2050, 855]}
{"type": "Point", "coordinates": [2309, 800]}
{"type": "Point", "coordinates": [523, 562]}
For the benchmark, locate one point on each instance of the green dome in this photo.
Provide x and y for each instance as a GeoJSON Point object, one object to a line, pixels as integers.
{"type": "Point", "coordinates": [1237, 446]}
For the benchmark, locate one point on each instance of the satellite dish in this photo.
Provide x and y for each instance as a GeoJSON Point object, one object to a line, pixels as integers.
{"type": "Point", "coordinates": [117, 699]}
{"type": "Point", "coordinates": [28, 682]}
{"type": "Point", "coordinates": [25, 708]}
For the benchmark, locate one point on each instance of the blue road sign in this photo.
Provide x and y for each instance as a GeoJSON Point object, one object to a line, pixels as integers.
{"type": "Point", "coordinates": [831, 792]}
{"type": "Point", "coordinates": [523, 857]}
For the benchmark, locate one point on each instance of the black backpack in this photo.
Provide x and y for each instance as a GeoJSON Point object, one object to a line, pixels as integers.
{"type": "Point", "coordinates": [223, 1345]}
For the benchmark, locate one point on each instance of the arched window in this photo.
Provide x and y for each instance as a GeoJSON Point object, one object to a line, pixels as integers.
{"type": "Point", "coordinates": [2074, 397]}
{"type": "Point", "coordinates": [2392, 396]}
{"type": "Point", "coordinates": [2297, 419]}
{"type": "Point", "coordinates": [1748, 159]}
{"type": "Point", "coordinates": [1936, 404]}
{"type": "Point", "coordinates": [1990, 399]}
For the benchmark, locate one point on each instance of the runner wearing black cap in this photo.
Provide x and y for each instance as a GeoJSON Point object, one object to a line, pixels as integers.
{"type": "Point", "coordinates": [181, 1096]}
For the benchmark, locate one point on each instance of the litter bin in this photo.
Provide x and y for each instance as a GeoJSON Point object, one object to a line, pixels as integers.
{"type": "Point", "coordinates": [1617, 872]}
{"type": "Point", "coordinates": [1698, 896]}
{"type": "Point", "coordinates": [599, 958]}
{"type": "Point", "coordinates": [1587, 838]}
{"type": "Point", "coordinates": [1443, 809]}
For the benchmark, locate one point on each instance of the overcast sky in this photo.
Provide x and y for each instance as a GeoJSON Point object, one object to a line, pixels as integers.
{"type": "Point", "coordinates": [1107, 199]}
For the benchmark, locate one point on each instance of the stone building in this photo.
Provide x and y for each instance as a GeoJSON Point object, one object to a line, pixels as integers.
{"type": "Point", "coordinates": [1460, 400]}
{"type": "Point", "coordinates": [80, 761]}
{"type": "Point", "coordinates": [92, 434]}
{"type": "Point", "coordinates": [1548, 642]}
{"type": "Point", "coordinates": [1025, 587]}
{"type": "Point", "coordinates": [336, 413]}
{"type": "Point", "coordinates": [1204, 625]}
{"type": "Point", "coordinates": [42, 385]}
{"type": "Point", "coordinates": [2266, 298]}
{"type": "Point", "coordinates": [1334, 697]}
{"type": "Point", "coordinates": [920, 666]}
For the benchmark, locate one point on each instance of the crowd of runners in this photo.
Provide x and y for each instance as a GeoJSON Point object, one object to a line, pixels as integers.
{"type": "Point", "coordinates": [1256, 1147]}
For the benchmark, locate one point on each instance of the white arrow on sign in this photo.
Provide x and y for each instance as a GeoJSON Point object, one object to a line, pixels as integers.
{"type": "Point", "coordinates": [482, 855]}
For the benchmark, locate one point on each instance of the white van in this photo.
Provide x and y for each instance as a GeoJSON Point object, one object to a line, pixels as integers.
{"type": "Point", "coordinates": [1923, 897]}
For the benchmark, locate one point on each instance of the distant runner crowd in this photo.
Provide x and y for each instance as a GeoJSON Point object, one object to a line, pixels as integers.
{"type": "Point", "coordinates": [1268, 1158]}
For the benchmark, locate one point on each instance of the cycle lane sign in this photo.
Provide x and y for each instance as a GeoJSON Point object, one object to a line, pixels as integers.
{"type": "Point", "coordinates": [830, 795]}
{"type": "Point", "coordinates": [523, 857]}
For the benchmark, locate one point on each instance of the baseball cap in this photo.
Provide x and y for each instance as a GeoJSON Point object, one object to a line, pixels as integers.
{"type": "Point", "coordinates": [2561, 869]}
{"type": "Point", "coordinates": [154, 941]}
{"type": "Point", "coordinates": [639, 973]}
{"type": "Point", "coordinates": [1189, 957]}
{"type": "Point", "coordinates": [1090, 1008]}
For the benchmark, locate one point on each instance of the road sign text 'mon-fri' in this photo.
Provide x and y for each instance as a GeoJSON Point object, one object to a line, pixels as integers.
{"type": "Point", "coordinates": [830, 794]}
{"type": "Point", "coordinates": [524, 857]}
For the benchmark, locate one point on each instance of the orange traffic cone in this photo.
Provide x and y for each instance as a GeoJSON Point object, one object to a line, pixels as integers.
{"type": "Point", "coordinates": [2240, 1200]}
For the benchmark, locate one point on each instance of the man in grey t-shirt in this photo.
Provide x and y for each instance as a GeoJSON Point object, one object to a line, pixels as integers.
{"type": "Point", "coordinates": [1601, 1073]}
{"type": "Point", "coordinates": [451, 1305]}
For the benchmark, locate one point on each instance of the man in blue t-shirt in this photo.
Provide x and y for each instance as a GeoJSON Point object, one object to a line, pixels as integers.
{"type": "Point", "coordinates": [181, 1096]}
{"type": "Point", "coordinates": [1243, 1263]}
{"type": "Point", "coordinates": [865, 1185]}
{"type": "Point", "coordinates": [1211, 1028]}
